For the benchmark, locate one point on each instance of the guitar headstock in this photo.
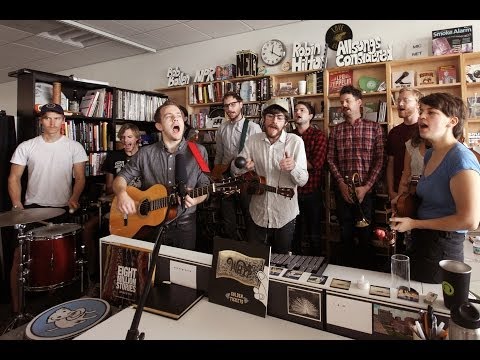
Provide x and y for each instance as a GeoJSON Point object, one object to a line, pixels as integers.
{"type": "Point", "coordinates": [287, 192]}
{"type": "Point", "coordinates": [227, 186]}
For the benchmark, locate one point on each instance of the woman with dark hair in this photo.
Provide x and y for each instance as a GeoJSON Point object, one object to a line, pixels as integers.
{"type": "Point", "coordinates": [448, 189]}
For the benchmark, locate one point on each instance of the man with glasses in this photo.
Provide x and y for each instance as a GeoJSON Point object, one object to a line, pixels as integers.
{"type": "Point", "coordinates": [230, 138]}
{"type": "Point", "coordinates": [408, 110]}
{"type": "Point", "coordinates": [279, 158]}
{"type": "Point", "coordinates": [155, 164]}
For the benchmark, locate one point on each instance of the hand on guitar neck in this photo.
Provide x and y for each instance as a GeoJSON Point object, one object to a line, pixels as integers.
{"type": "Point", "coordinates": [155, 205]}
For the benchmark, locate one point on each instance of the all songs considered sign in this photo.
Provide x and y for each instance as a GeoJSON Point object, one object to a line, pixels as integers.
{"type": "Point", "coordinates": [124, 270]}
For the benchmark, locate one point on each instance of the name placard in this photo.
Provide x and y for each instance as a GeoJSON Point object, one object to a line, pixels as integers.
{"type": "Point", "coordinates": [351, 52]}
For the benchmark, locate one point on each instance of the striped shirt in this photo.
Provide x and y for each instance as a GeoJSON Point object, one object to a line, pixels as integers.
{"type": "Point", "coordinates": [316, 149]}
{"type": "Point", "coordinates": [357, 148]}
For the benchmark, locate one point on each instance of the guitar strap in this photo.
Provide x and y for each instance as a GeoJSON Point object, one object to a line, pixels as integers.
{"type": "Point", "coordinates": [200, 160]}
{"type": "Point", "coordinates": [243, 136]}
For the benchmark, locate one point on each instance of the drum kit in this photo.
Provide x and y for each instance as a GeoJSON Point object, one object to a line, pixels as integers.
{"type": "Point", "coordinates": [48, 254]}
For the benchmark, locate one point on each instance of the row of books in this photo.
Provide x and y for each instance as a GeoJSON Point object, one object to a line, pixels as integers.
{"type": "Point", "coordinates": [97, 103]}
{"type": "Point", "coordinates": [314, 82]}
{"type": "Point", "coordinates": [375, 111]}
{"type": "Point", "coordinates": [249, 90]}
{"type": "Point", "coordinates": [93, 137]}
{"type": "Point", "coordinates": [136, 106]}
{"type": "Point", "coordinates": [445, 74]}
{"type": "Point", "coordinates": [95, 163]}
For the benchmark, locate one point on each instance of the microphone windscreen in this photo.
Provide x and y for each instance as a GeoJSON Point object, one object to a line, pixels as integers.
{"type": "Point", "coordinates": [240, 162]}
{"type": "Point", "coordinates": [180, 169]}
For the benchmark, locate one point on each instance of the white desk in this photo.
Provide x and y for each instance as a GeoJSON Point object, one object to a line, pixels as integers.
{"type": "Point", "coordinates": [205, 321]}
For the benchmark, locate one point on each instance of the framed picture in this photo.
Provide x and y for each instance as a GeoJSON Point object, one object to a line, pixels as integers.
{"type": "Point", "coordinates": [304, 303]}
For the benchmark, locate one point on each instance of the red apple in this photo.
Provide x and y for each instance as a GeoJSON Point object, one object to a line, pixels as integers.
{"type": "Point", "coordinates": [380, 233]}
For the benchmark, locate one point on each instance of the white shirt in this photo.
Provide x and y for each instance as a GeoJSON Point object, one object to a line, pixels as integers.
{"type": "Point", "coordinates": [271, 210]}
{"type": "Point", "coordinates": [50, 169]}
{"type": "Point", "coordinates": [228, 139]}
{"type": "Point", "coordinates": [416, 162]}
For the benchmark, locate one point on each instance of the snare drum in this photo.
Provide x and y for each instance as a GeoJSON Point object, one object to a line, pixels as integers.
{"type": "Point", "coordinates": [51, 256]}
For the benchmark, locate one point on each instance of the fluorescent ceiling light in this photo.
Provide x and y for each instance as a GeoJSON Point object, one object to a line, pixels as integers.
{"type": "Point", "coordinates": [107, 35]}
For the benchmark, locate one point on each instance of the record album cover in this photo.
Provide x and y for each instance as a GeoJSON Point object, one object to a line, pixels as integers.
{"type": "Point", "coordinates": [124, 272]}
{"type": "Point", "coordinates": [240, 276]}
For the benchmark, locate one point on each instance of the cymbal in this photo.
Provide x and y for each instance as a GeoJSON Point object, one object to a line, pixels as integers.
{"type": "Point", "coordinates": [26, 216]}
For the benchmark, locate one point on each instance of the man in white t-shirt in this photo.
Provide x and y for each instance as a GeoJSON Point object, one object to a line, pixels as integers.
{"type": "Point", "coordinates": [52, 160]}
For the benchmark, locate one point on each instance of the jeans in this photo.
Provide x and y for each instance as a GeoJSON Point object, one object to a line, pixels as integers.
{"type": "Point", "coordinates": [308, 225]}
{"type": "Point", "coordinates": [355, 254]}
{"type": "Point", "coordinates": [279, 239]}
{"type": "Point", "coordinates": [428, 248]}
{"type": "Point", "coordinates": [230, 206]}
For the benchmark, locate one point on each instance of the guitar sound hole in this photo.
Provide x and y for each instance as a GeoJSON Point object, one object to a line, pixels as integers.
{"type": "Point", "coordinates": [144, 208]}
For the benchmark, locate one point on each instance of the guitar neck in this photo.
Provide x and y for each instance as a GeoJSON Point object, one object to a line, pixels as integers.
{"type": "Point", "coordinates": [201, 191]}
{"type": "Point", "coordinates": [268, 188]}
{"type": "Point", "coordinates": [172, 200]}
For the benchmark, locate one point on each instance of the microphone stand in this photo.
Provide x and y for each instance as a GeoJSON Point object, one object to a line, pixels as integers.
{"type": "Point", "coordinates": [133, 333]}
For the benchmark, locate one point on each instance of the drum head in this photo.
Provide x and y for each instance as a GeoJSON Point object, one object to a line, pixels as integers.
{"type": "Point", "coordinates": [67, 320]}
{"type": "Point", "coordinates": [50, 231]}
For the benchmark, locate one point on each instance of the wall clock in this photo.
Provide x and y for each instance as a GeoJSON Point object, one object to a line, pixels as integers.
{"type": "Point", "coordinates": [273, 52]}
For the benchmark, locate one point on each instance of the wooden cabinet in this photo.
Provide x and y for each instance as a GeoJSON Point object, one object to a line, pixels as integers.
{"type": "Point", "coordinates": [416, 66]}
{"type": "Point", "coordinates": [470, 80]}
{"type": "Point", "coordinates": [391, 75]}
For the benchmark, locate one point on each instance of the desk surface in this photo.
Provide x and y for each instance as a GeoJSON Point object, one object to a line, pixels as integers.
{"type": "Point", "coordinates": [205, 321]}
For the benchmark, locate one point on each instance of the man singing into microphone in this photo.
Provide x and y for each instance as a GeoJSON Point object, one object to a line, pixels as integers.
{"type": "Point", "coordinates": [159, 164]}
{"type": "Point", "coordinates": [279, 157]}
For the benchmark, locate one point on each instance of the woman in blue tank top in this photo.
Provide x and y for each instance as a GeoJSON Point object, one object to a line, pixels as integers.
{"type": "Point", "coordinates": [448, 189]}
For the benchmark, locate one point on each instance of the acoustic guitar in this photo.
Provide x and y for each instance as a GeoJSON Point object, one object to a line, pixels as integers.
{"type": "Point", "coordinates": [255, 184]}
{"type": "Point", "coordinates": [157, 204]}
{"type": "Point", "coordinates": [220, 172]}
{"type": "Point", "coordinates": [407, 203]}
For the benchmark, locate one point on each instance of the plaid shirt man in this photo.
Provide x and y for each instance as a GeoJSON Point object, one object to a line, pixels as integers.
{"type": "Point", "coordinates": [357, 148]}
{"type": "Point", "coordinates": [316, 150]}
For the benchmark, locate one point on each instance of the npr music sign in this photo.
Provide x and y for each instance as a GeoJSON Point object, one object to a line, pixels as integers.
{"type": "Point", "coordinates": [306, 57]}
{"type": "Point", "coordinates": [351, 52]}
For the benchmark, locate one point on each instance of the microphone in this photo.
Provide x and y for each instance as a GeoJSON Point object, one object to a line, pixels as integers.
{"type": "Point", "coordinates": [181, 178]}
{"type": "Point", "coordinates": [240, 162]}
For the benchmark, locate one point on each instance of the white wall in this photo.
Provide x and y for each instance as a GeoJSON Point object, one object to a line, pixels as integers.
{"type": "Point", "coordinates": [149, 71]}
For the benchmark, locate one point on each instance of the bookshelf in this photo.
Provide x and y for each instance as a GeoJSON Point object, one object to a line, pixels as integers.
{"type": "Point", "coordinates": [97, 133]}
{"type": "Point", "coordinates": [324, 100]}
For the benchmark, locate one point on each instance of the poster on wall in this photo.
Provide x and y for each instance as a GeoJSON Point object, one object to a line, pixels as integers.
{"type": "Point", "coordinates": [451, 41]}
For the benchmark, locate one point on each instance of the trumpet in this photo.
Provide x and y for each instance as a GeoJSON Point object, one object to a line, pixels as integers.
{"type": "Point", "coordinates": [352, 184]}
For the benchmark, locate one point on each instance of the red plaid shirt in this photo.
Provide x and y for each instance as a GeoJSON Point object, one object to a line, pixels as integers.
{"type": "Point", "coordinates": [316, 149]}
{"type": "Point", "coordinates": [357, 148]}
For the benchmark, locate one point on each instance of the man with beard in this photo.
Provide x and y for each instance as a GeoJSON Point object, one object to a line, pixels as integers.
{"type": "Point", "coordinates": [310, 199]}
{"type": "Point", "coordinates": [129, 136]}
{"type": "Point", "coordinates": [407, 108]}
{"type": "Point", "coordinates": [355, 146]}
{"type": "Point", "coordinates": [155, 164]}
{"type": "Point", "coordinates": [230, 139]}
{"type": "Point", "coordinates": [280, 158]}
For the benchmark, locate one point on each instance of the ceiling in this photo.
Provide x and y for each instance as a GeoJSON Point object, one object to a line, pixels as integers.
{"type": "Point", "coordinates": [54, 45]}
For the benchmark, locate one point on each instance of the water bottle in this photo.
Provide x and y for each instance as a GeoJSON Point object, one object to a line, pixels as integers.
{"type": "Point", "coordinates": [476, 248]}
